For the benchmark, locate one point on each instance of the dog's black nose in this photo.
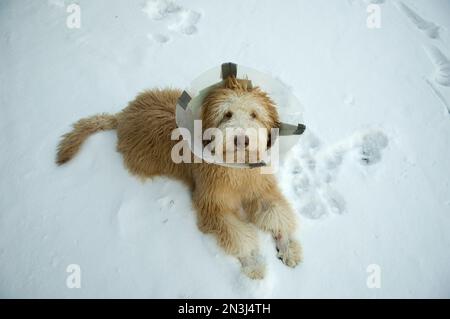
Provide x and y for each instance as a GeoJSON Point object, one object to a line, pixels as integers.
{"type": "Point", "coordinates": [241, 140]}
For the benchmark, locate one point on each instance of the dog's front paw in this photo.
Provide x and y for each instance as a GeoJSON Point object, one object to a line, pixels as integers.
{"type": "Point", "coordinates": [289, 252]}
{"type": "Point", "coordinates": [253, 266]}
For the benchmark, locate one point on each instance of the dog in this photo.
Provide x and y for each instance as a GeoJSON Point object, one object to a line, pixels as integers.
{"type": "Point", "coordinates": [231, 203]}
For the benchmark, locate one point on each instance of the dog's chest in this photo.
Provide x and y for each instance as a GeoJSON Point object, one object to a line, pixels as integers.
{"type": "Point", "coordinates": [245, 183]}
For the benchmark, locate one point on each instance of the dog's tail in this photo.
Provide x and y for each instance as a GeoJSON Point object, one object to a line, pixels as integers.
{"type": "Point", "coordinates": [71, 142]}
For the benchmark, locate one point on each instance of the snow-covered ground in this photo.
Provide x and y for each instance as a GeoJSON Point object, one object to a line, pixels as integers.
{"type": "Point", "coordinates": [369, 180]}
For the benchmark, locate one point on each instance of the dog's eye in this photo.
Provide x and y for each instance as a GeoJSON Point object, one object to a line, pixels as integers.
{"type": "Point", "coordinates": [228, 115]}
{"type": "Point", "coordinates": [253, 115]}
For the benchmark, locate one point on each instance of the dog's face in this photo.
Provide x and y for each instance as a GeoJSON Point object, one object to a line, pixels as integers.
{"type": "Point", "coordinates": [244, 116]}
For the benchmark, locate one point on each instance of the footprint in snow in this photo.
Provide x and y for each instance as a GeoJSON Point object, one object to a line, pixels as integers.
{"type": "Point", "coordinates": [312, 168]}
{"type": "Point", "coordinates": [175, 18]}
{"type": "Point", "coordinates": [428, 27]}
{"type": "Point", "coordinates": [370, 147]}
{"type": "Point", "coordinates": [159, 38]}
{"type": "Point", "coordinates": [441, 74]}
{"type": "Point", "coordinates": [441, 64]}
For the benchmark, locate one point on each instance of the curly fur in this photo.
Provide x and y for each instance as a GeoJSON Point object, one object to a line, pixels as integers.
{"type": "Point", "coordinates": [219, 193]}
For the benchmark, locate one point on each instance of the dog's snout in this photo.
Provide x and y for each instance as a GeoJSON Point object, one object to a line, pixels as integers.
{"type": "Point", "coordinates": [241, 140]}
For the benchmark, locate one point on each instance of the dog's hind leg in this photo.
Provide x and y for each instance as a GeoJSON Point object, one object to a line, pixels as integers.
{"type": "Point", "coordinates": [235, 236]}
{"type": "Point", "coordinates": [273, 213]}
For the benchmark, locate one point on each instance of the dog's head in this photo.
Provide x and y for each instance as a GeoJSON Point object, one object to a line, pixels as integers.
{"type": "Point", "coordinates": [243, 115]}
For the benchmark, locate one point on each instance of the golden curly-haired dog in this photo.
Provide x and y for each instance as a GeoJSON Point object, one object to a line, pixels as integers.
{"type": "Point", "coordinates": [231, 203]}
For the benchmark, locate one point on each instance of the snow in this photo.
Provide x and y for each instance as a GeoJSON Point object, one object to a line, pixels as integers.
{"type": "Point", "coordinates": [370, 180]}
{"type": "Point", "coordinates": [442, 66]}
{"type": "Point", "coordinates": [180, 19]}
